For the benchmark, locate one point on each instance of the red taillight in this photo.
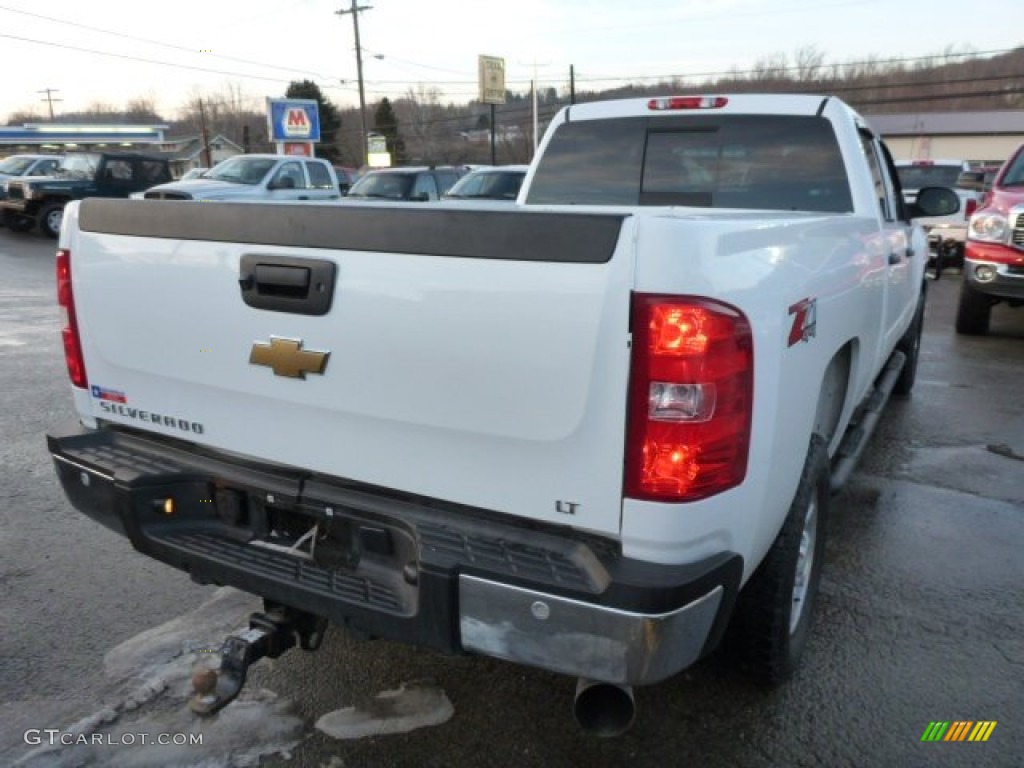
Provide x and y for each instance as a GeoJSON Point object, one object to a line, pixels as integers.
{"type": "Point", "coordinates": [69, 326]}
{"type": "Point", "coordinates": [971, 207]}
{"type": "Point", "coordinates": [691, 390]}
{"type": "Point", "coordinates": [688, 102]}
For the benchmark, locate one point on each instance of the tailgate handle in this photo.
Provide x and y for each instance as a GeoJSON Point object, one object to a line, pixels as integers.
{"type": "Point", "coordinates": [287, 284]}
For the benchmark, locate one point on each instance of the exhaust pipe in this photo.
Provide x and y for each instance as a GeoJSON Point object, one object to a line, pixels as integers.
{"type": "Point", "coordinates": [603, 709]}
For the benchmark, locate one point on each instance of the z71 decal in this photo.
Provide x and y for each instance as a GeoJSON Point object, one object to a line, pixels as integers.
{"type": "Point", "coordinates": [805, 320]}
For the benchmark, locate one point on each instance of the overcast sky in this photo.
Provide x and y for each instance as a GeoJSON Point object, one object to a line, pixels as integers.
{"type": "Point", "coordinates": [113, 50]}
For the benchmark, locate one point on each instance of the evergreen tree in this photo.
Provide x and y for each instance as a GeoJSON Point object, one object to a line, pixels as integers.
{"type": "Point", "coordinates": [330, 119]}
{"type": "Point", "coordinates": [386, 123]}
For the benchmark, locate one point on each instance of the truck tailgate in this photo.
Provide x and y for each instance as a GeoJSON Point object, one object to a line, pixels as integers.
{"type": "Point", "coordinates": [480, 357]}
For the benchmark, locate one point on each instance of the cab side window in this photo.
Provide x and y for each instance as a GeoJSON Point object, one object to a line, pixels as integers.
{"type": "Point", "coordinates": [446, 180]}
{"type": "Point", "coordinates": [425, 185]}
{"type": "Point", "coordinates": [289, 176]}
{"type": "Point", "coordinates": [319, 178]}
{"type": "Point", "coordinates": [880, 177]}
{"type": "Point", "coordinates": [152, 172]}
{"type": "Point", "coordinates": [119, 171]}
{"type": "Point", "coordinates": [896, 189]}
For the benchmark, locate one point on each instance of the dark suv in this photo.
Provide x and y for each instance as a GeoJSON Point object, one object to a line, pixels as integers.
{"type": "Point", "coordinates": [41, 202]}
{"type": "Point", "coordinates": [418, 184]}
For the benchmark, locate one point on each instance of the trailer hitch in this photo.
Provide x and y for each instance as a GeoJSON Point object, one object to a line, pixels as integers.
{"type": "Point", "coordinates": [269, 634]}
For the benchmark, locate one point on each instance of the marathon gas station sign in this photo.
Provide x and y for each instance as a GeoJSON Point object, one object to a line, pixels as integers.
{"type": "Point", "coordinates": [294, 125]}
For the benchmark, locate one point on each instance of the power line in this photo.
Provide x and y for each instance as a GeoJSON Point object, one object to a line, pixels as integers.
{"type": "Point", "coordinates": [797, 68]}
{"type": "Point", "coordinates": [582, 79]}
{"type": "Point", "coordinates": [150, 41]}
{"type": "Point", "coordinates": [521, 112]}
{"type": "Point", "coordinates": [142, 59]}
{"type": "Point", "coordinates": [944, 97]}
{"type": "Point", "coordinates": [733, 73]}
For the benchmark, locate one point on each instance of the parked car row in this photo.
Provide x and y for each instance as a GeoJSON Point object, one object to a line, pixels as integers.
{"type": "Point", "coordinates": [41, 185]}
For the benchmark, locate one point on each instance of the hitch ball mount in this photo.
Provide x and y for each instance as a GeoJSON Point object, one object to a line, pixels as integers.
{"type": "Point", "coordinates": [269, 634]}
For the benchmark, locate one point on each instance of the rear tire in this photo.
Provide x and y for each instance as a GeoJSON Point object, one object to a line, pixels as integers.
{"type": "Point", "coordinates": [910, 345]}
{"type": "Point", "coordinates": [973, 312]}
{"type": "Point", "coordinates": [770, 623]}
{"type": "Point", "coordinates": [17, 223]}
{"type": "Point", "coordinates": [50, 219]}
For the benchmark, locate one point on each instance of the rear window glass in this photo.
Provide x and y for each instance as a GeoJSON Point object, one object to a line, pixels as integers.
{"type": "Point", "coordinates": [388, 185]}
{"type": "Point", "coordinates": [757, 162]}
{"type": "Point", "coordinates": [921, 176]}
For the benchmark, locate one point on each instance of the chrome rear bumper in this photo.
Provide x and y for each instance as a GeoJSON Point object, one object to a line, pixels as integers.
{"type": "Point", "coordinates": [582, 639]}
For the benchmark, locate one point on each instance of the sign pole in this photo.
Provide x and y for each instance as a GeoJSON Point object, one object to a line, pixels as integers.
{"type": "Point", "coordinates": [491, 71]}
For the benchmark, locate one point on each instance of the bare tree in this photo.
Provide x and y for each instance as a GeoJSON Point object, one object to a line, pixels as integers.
{"type": "Point", "coordinates": [770, 68]}
{"type": "Point", "coordinates": [809, 64]}
{"type": "Point", "coordinates": [142, 109]}
{"type": "Point", "coordinates": [25, 115]}
{"type": "Point", "coordinates": [419, 113]}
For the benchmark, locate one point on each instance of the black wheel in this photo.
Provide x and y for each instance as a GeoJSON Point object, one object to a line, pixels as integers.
{"type": "Point", "coordinates": [17, 223]}
{"type": "Point", "coordinates": [50, 218]}
{"type": "Point", "coordinates": [955, 255]}
{"type": "Point", "coordinates": [910, 345]}
{"type": "Point", "coordinates": [972, 315]}
{"type": "Point", "coordinates": [769, 625]}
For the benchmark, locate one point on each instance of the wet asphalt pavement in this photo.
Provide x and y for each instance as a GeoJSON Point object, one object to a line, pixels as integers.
{"type": "Point", "coordinates": [919, 617]}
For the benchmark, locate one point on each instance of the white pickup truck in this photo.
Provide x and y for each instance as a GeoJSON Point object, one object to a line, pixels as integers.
{"type": "Point", "coordinates": [255, 177]}
{"type": "Point", "coordinates": [593, 434]}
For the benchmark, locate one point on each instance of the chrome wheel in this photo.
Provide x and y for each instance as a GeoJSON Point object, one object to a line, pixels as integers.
{"type": "Point", "coordinates": [54, 217]}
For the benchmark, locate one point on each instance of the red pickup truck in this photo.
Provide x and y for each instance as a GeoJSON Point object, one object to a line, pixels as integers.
{"type": "Point", "coordinates": [994, 259]}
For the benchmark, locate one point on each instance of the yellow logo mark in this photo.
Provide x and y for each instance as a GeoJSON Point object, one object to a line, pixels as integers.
{"type": "Point", "coordinates": [287, 358]}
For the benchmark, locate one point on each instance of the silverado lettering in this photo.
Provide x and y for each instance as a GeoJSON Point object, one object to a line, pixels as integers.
{"type": "Point", "coordinates": [613, 342]}
{"type": "Point", "coordinates": [151, 418]}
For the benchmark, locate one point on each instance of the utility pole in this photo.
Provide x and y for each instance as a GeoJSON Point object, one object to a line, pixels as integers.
{"type": "Point", "coordinates": [207, 160]}
{"type": "Point", "coordinates": [49, 98]}
{"type": "Point", "coordinates": [534, 88]}
{"type": "Point", "coordinates": [354, 10]}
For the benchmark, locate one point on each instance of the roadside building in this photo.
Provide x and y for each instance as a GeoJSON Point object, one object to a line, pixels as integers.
{"type": "Point", "coordinates": [981, 138]}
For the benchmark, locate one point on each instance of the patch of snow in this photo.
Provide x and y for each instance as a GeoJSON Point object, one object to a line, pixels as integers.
{"type": "Point", "coordinates": [156, 668]}
{"type": "Point", "coordinates": [413, 705]}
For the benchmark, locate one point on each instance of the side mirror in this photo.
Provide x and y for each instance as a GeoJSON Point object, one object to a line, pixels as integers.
{"type": "Point", "coordinates": [934, 201]}
{"type": "Point", "coordinates": [420, 197]}
{"type": "Point", "coordinates": [287, 182]}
